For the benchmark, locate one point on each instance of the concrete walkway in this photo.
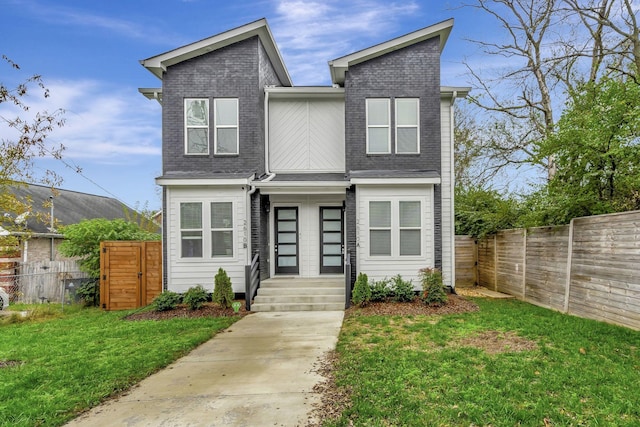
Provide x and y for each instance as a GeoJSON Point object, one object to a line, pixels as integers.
{"type": "Point", "coordinates": [259, 372]}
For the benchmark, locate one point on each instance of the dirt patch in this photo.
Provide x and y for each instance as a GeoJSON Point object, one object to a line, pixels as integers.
{"type": "Point", "coordinates": [455, 304]}
{"type": "Point", "coordinates": [182, 311]}
{"type": "Point", "coordinates": [496, 342]}
{"type": "Point", "coordinates": [334, 400]}
{"type": "Point", "coordinates": [9, 363]}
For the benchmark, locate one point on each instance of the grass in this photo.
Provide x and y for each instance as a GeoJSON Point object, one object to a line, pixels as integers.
{"type": "Point", "coordinates": [55, 365]}
{"type": "Point", "coordinates": [435, 371]}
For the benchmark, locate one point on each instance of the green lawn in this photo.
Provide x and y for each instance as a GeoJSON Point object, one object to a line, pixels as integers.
{"type": "Point", "coordinates": [60, 364]}
{"type": "Point", "coordinates": [552, 370]}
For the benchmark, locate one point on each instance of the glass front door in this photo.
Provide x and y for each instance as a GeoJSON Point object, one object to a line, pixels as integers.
{"type": "Point", "coordinates": [286, 241]}
{"type": "Point", "coordinates": [331, 240]}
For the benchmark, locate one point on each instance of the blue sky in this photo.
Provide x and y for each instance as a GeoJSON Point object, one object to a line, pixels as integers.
{"type": "Point", "coordinates": [88, 54]}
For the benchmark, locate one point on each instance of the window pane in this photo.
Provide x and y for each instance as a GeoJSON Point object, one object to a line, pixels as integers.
{"type": "Point", "coordinates": [409, 242]}
{"type": "Point", "coordinates": [226, 112]}
{"type": "Point", "coordinates": [332, 249]}
{"type": "Point", "coordinates": [407, 140]}
{"type": "Point", "coordinates": [332, 237]}
{"type": "Point", "coordinates": [287, 237]}
{"type": "Point", "coordinates": [379, 214]}
{"type": "Point", "coordinates": [197, 112]}
{"type": "Point", "coordinates": [221, 215]}
{"type": "Point", "coordinates": [221, 243]}
{"type": "Point", "coordinates": [407, 112]}
{"type": "Point", "coordinates": [331, 225]}
{"type": "Point", "coordinates": [287, 261]}
{"type": "Point", "coordinates": [287, 249]}
{"type": "Point", "coordinates": [378, 140]}
{"type": "Point", "coordinates": [409, 214]}
{"type": "Point", "coordinates": [197, 141]}
{"type": "Point", "coordinates": [227, 141]}
{"type": "Point", "coordinates": [287, 214]}
{"type": "Point", "coordinates": [286, 226]}
{"type": "Point", "coordinates": [378, 112]}
{"type": "Point", "coordinates": [191, 244]}
{"type": "Point", "coordinates": [190, 215]}
{"type": "Point", "coordinates": [332, 213]}
{"type": "Point", "coordinates": [332, 261]}
{"type": "Point", "coordinates": [380, 242]}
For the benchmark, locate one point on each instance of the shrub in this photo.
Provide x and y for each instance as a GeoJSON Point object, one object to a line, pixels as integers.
{"type": "Point", "coordinates": [167, 300]}
{"type": "Point", "coordinates": [402, 290]}
{"type": "Point", "coordinates": [432, 287]}
{"type": "Point", "coordinates": [361, 293]}
{"type": "Point", "coordinates": [222, 290]}
{"type": "Point", "coordinates": [380, 290]}
{"type": "Point", "coordinates": [89, 293]}
{"type": "Point", "coordinates": [195, 297]}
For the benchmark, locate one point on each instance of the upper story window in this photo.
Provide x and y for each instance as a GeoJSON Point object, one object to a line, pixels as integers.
{"type": "Point", "coordinates": [196, 119]}
{"type": "Point", "coordinates": [191, 230]}
{"type": "Point", "coordinates": [378, 126]}
{"type": "Point", "coordinates": [407, 131]}
{"type": "Point", "coordinates": [226, 125]}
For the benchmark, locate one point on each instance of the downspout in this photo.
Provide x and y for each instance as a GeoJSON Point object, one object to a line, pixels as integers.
{"type": "Point", "coordinates": [252, 189]}
{"type": "Point", "coordinates": [270, 175]}
{"type": "Point", "coordinates": [453, 186]}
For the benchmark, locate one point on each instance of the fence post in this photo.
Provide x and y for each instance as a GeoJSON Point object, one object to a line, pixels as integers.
{"type": "Point", "coordinates": [567, 287]}
{"type": "Point", "coordinates": [524, 265]}
{"type": "Point", "coordinates": [495, 262]}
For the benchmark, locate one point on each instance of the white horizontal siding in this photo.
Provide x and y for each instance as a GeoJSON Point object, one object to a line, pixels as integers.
{"type": "Point", "coordinates": [447, 186]}
{"type": "Point", "coordinates": [378, 268]}
{"type": "Point", "coordinates": [306, 136]}
{"type": "Point", "coordinates": [183, 273]}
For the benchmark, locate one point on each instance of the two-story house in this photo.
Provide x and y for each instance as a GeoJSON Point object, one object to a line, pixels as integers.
{"type": "Point", "coordinates": [307, 177]}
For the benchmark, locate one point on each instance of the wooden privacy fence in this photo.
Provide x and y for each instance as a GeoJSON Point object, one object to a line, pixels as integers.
{"type": "Point", "coordinates": [589, 268]}
{"type": "Point", "coordinates": [466, 261]}
{"type": "Point", "coordinates": [130, 274]}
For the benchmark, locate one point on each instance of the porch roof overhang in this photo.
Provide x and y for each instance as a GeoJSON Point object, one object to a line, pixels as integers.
{"type": "Point", "coordinates": [394, 177]}
{"type": "Point", "coordinates": [302, 187]}
{"type": "Point", "coordinates": [205, 180]}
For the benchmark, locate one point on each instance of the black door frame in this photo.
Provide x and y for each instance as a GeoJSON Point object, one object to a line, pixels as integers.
{"type": "Point", "coordinates": [288, 269]}
{"type": "Point", "coordinates": [331, 269]}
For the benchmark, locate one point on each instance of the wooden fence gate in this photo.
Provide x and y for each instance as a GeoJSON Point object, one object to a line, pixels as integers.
{"type": "Point", "coordinates": [130, 274]}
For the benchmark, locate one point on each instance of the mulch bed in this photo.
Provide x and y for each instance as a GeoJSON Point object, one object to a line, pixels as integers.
{"type": "Point", "coordinates": [181, 311]}
{"type": "Point", "coordinates": [455, 304]}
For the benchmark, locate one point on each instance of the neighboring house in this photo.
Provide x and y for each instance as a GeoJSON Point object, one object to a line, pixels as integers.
{"type": "Point", "coordinates": [305, 176]}
{"type": "Point", "coordinates": [38, 241]}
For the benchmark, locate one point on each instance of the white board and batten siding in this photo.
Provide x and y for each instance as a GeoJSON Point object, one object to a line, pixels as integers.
{"type": "Point", "coordinates": [447, 185]}
{"type": "Point", "coordinates": [306, 136]}
{"type": "Point", "coordinates": [184, 273]}
{"type": "Point", "coordinates": [380, 267]}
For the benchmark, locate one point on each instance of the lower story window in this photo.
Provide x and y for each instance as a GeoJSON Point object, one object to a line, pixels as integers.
{"type": "Point", "coordinates": [191, 230]}
{"type": "Point", "coordinates": [395, 228]}
{"type": "Point", "coordinates": [221, 229]}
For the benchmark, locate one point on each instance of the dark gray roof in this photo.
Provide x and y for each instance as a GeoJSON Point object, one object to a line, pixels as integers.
{"type": "Point", "coordinates": [69, 207]}
{"type": "Point", "coordinates": [205, 175]}
{"type": "Point", "coordinates": [287, 177]}
{"type": "Point", "coordinates": [411, 173]}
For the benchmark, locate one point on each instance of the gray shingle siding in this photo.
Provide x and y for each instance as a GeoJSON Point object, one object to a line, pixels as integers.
{"type": "Point", "coordinates": [237, 71]}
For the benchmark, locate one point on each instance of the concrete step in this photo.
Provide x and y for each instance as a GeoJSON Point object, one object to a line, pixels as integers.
{"type": "Point", "coordinates": [299, 299]}
{"type": "Point", "coordinates": [287, 283]}
{"type": "Point", "coordinates": [297, 307]}
{"type": "Point", "coordinates": [300, 291]}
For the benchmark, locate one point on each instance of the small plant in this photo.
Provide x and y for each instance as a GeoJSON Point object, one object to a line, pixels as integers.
{"type": "Point", "coordinates": [89, 293]}
{"type": "Point", "coordinates": [432, 287]}
{"type": "Point", "coordinates": [222, 290]}
{"type": "Point", "coordinates": [361, 294]}
{"type": "Point", "coordinates": [380, 290]}
{"type": "Point", "coordinates": [166, 301]}
{"type": "Point", "coordinates": [402, 289]}
{"type": "Point", "coordinates": [195, 297]}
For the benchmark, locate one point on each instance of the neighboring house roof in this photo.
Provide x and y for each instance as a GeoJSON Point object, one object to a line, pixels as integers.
{"type": "Point", "coordinates": [338, 67]}
{"type": "Point", "coordinates": [157, 64]}
{"type": "Point", "coordinates": [69, 207]}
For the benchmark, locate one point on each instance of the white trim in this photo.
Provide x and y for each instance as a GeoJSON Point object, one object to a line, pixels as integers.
{"type": "Point", "coordinates": [395, 181]}
{"type": "Point", "coordinates": [196, 182]}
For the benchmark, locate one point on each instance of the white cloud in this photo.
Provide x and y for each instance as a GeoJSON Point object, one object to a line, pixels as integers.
{"type": "Point", "coordinates": [311, 33]}
{"type": "Point", "coordinates": [103, 125]}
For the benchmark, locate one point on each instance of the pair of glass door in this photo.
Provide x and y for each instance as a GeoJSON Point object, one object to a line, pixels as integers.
{"type": "Point", "coordinates": [287, 251]}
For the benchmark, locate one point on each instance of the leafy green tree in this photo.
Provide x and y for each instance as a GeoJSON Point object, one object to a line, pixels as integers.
{"type": "Point", "coordinates": [83, 240]}
{"type": "Point", "coordinates": [597, 152]}
{"type": "Point", "coordinates": [480, 211]}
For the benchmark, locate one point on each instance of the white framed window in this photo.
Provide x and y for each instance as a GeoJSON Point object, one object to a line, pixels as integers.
{"type": "Point", "coordinates": [407, 126]}
{"type": "Point", "coordinates": [378, 126]}
{"type": "Point", "coordinates": [196, 122]}
{"type": "Point", "coordinates": [226, 126]}
{"type": "Point", "coordinates": [395, 228]}
{"type": "Point", "coordinates": [380, 228]}
{"type": "Point", "coordinates": [221, 229]}
{"type": "Point", "coordinates": [410, 228]}
{"type": "Point", "coordinates": [191, 230]}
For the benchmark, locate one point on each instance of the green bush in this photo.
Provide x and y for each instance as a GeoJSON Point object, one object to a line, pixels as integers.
{"type": "Point", "coordinates": [222, 290]}
{"type": "Point", "coordinates": [89, 293]}
{"type": "Point", "coordinates": [361, 293]}
{"type": "Point", "coordinates": [380, 290]}
{"type": "Point", "coordinates": [402, 290]}
{"type": "Point", "coordinates": [167, 300]}
{"type": "Point", "coordinates": [195, 297]}
{"type": "Point", "coordinates": [432, 287]}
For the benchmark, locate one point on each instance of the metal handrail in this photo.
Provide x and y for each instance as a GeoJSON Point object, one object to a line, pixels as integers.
{"type": "Point", "coordinates": [347, 281]}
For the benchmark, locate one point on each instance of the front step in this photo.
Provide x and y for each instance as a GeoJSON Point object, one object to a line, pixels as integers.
{"type": "Point", "coordinates": [300, 294]}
